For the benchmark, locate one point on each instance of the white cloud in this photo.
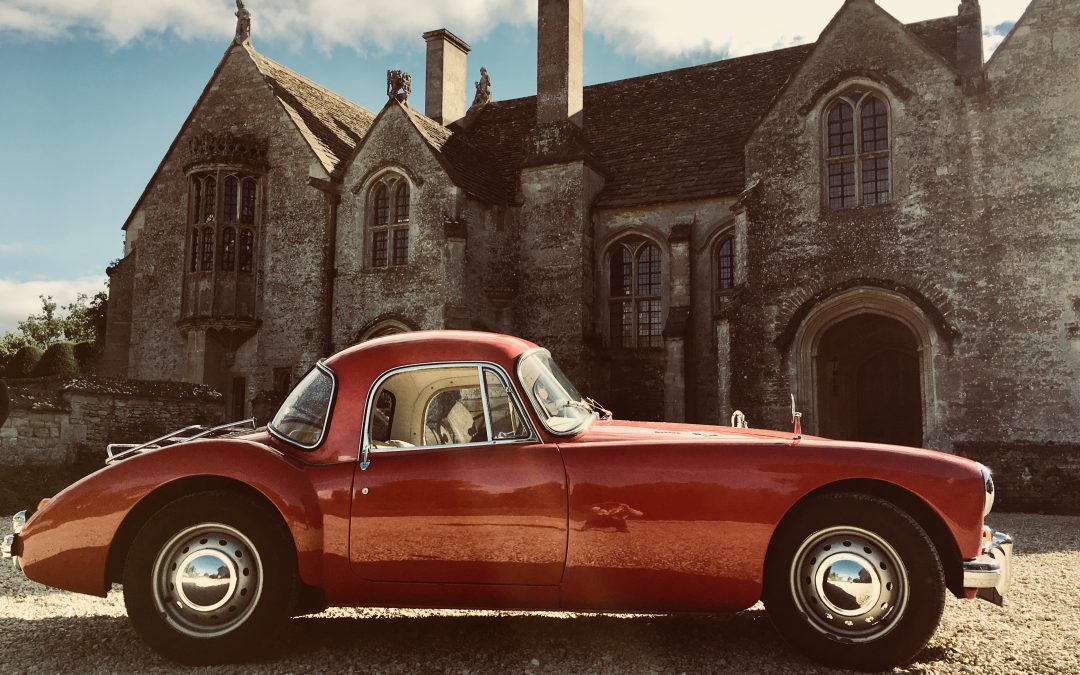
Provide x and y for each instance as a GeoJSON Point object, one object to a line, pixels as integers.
{"type": "Point", "coordinates": [19, 299]}
{"type": "Point", "coordinates": [647, 29]}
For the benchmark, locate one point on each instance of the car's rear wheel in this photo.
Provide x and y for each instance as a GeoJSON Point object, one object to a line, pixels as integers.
{"type": "Point", "coordinates": [209, 577]}
{"type": "Point", "coordinates": [854, 582]}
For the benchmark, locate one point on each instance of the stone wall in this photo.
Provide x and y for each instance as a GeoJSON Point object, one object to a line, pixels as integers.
{"type": "Point", "coordinates": [57, 420]}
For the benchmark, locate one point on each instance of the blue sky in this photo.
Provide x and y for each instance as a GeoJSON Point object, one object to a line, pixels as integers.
{"type": "Point", "coordinates": [94, 92]}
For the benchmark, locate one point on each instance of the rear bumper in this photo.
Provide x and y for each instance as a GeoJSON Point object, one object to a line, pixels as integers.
{"type": "Point", "coordinates": [990, 574]}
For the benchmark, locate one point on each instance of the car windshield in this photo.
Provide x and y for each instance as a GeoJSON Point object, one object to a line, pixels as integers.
{"type": "Point", "coordinates": [302, 418]}
{"type": "Point", "coordinates": [557, 401]}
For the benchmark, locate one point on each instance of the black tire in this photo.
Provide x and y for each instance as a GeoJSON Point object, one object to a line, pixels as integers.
{"type": "Point", "coordinates": [238, 567]}
{"type": "Point", "coordinates": [854, 582]}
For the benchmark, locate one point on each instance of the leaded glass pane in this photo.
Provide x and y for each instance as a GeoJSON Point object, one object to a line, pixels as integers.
{"type": "Point", "coordinates": [842, 185]}
{"type": "Point", "coordinates": [875, 126]}
{"type": "Point", "coordinates": [378, 249]}
{"type": "Point", "coordinates": [208, 248]}
{"type": "Point", "coordinates": [841, 131]}
{"type": "Point", "coordinates": [209, 199]}
{"type": "Point", "coordinates": [195, 250]}
{"type": "Point", "coordinates": [648, 272]}
{"type": "Point", "coordinates": [725, 265]}
{"type": "Point", "coordinates": [401, 204]}
{"type": "Point", "coordinates": [247, 250]}
{"type": "Point", "coordinates": [228, 249]}
{"type": "Point", "coordinates": [622, 272]}
{"type": "Point", "coordinates": [649, 323]}
{"type": "Point", "coordinates": [875, 180]}
{"type": "Point", "coordinates": [231, 186]}
{"type": "Point", "coordinates": [382, 206]}
{"type": "Point", "coordinates": [247, 202]}
{"type": "Point", "coordinates": [401, 247]}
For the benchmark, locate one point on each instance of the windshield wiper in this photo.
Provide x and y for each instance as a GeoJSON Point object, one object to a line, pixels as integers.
{"type": "Point", "coordinates": [600, 410]}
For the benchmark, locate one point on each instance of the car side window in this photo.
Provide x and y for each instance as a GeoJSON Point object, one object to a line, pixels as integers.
{"type": "Point", "coordinates": [456, 415]}
{"type": "Point", "coordinates": [382, 417]}
{"type": "Point", "coordinates": [507, 420]}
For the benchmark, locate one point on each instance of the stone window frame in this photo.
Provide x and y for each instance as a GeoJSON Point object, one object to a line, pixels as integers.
{"type": "Point", "coordinates": [856, 96]}
{"type": "Point", "coordinates": [389, 222]}
{"type": "Point", "coordinates": [211, 211]}
{"type": "Point", "coordinates": [723, 293]}
{"type": "Point", "coordinates": [635, 242]}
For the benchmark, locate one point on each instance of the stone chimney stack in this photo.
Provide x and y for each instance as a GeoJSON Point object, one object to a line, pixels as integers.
{"type": "Point", "coordinates": [559, 67]}
{"type": "Point", "coordinates": [969, 46]}
{"type": "Point", "coordinates": [447, 61]}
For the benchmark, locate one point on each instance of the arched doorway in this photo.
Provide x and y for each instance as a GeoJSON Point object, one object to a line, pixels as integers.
{"type": "Point", "coordinates": [868, 384]}
{"type": "Point", "coordinates": [383, 328]}
{"type": "Point", "coordinates": [863, 365]}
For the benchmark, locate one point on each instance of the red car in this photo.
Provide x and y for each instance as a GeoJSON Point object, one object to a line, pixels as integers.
{"type": "Point", "coordinates": [464, 470]}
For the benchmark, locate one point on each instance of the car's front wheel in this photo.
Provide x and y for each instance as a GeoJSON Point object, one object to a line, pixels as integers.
{"type": "Point", "coordinates": [854, 582]}
{"type": "Point", "coordinates": [209, 577]}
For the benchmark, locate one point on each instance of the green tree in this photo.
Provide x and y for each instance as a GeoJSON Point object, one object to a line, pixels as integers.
{"type": "Point", "coordinates": [85, 320]}
{"type": "Point", "coordinates": [45, 328]}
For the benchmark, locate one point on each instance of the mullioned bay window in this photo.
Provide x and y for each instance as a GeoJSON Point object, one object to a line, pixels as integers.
{"type": "Point", "coordinates": [223, 216]}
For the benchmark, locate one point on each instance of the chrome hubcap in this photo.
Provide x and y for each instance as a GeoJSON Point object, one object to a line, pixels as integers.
{"type": "Point", "coordinates": [207, 580]}
{"type": "Point", "coordinates": [849, 584]}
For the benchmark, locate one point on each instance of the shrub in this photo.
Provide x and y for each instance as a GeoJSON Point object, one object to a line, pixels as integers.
{"type": "Point", "coordinates": [24, 361]}
{"type": "Point", "coordinates": [86, 354]}
{"type": "Point", "coordinates": [58, 359]}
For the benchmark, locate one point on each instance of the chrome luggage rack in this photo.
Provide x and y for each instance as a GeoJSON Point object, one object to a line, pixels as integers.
{"type": "Point", "coordinates": [121, 451]}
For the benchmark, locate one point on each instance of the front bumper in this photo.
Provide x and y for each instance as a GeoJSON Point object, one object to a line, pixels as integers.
{"type": "Point", "coordinates": [990, 574]}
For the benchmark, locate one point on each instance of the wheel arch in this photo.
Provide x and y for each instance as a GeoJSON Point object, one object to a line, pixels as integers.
{"type": "Point", "coordinates": [909, 502]}
{"type": "Point", "coordinates": [309, 598]}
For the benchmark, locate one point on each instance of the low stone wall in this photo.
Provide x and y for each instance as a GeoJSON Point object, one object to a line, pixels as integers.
{"type": "Point", "coordinates": [1031, 477]}
{"type": "Point", "coordinates": [59, 419]}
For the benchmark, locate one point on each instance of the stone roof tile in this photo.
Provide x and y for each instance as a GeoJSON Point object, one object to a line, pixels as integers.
{"type": "Point", "coordinates": [331, 124]}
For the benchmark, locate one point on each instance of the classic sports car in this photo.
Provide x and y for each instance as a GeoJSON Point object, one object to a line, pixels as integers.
{"type": "Point", "coordinates": [464, 470]}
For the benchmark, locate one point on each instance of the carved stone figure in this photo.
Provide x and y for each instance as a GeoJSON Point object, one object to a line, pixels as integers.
{"type": "Point", "coordinates": [483, 90]}
{"type": "Point", "coordinates": [243, 23]}
{"type": "Point", "coordinates": [968, 7]}
{"type": "Point", "coordinates": [398, 85]}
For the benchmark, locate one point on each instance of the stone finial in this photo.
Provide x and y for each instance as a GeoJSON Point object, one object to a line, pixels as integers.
{"type": "Point", "coordinates": [483, 90]}
{"type": "Point", "coordinates": [967, 7]}
{"type": "Point", "coordinates": [398, 85]}
{"type": "Point", "coordinates": [243, 23]}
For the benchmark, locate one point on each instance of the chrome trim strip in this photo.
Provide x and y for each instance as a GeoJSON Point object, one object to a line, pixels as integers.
{"type": "Point", "coordinates": [484, 400]}
{"type": "Point", "coordinates": [151, 445]}
{"type": "Point", "coordinates": [321, 365]}
{"type": "Point", "coordinates": [537, 408]}
{"type": "Point", "coordinates": [365, 450]}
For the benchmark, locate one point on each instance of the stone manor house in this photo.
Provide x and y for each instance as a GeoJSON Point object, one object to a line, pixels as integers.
{"type": "Point", "coordinates": [880, 223]}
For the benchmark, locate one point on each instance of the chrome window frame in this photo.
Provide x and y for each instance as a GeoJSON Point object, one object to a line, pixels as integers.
{"type": "Point", "coordinates": [541, 413]}
{"type": "Point", "coordinates": [321, 366]}
{"type": "Point", "coordinates": [367, 449]}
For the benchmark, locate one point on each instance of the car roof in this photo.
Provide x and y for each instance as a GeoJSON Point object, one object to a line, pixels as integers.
{"type": "Point", "coordinates": [433, 346]}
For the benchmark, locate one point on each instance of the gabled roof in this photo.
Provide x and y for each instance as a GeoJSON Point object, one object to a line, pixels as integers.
{"type": "Point", "coordinates": [675, 135]}
{"type": "Point", "coordinates": [472, 169]}
{"type": "Point", "coordinates": [331, 124]}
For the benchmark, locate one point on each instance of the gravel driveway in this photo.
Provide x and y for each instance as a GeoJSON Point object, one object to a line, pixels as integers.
{"type": "Point", "coordinates": [43, 630]}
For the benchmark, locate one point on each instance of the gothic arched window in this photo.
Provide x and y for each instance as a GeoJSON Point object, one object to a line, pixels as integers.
{"type": "Point", "coordinates": [247, 249]}
{"type": "Point", "coordinates": [389, 232]}
{"type": "Point", "coordinates": [857, 168]}
{"type": "Point", "coordinates": [635, 294]}
{"type": "Point", "coordinates": [209, 199]}
{"type": "Point", "coordinates": [208, 248]}
{"type": "Point", "coordinates": [725, 269]}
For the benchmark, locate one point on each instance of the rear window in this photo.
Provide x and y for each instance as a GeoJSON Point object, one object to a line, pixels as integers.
{"type": "Point", "coordinates": [302, 418]}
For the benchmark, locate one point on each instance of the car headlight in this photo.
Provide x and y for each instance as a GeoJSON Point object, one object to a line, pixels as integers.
{"type": "Point", "coordinates": [18, 521]}
{"type": "Point", "coordinates": [988, 487]}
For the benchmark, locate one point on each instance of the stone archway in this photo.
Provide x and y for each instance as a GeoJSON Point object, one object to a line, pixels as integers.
{"type": "Point", "coordinates": [868, 385]}
{"type": "Point", "coordinates": [864, 364]}
{"type": "Point", "coordinates": [383, 328]}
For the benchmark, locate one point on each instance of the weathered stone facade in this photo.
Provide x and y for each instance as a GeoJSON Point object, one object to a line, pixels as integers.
{"type": "Point", "coordinates": [686, 243]}
{"type": "Point", "coordinates": [54, 420]}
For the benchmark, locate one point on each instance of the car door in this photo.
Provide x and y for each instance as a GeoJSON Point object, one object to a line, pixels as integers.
{"type": "Point", "coordinates": [455, 486]}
